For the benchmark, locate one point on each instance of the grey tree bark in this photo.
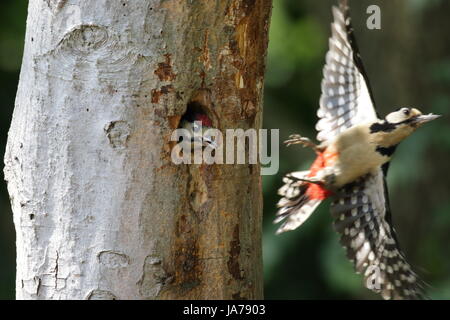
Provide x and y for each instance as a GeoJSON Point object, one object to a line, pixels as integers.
{"type": "Point", "coordinates": [100, 210]}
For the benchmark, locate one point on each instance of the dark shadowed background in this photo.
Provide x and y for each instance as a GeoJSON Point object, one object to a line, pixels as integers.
{"type": "Point", "coordinates": [408, 62]}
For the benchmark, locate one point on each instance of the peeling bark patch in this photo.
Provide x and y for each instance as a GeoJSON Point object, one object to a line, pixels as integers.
{"type": "Point", "coordinates": [164, 70]}
{"type": "Point", "coordinates": [113, 260]}
{"type": "Point", "coordinates": [118, 133]}
{"type": "Point", "coordinates": [166, 89]}
{"type": "Point", "coordinates": [153, 277]}
{"type": "Point", "coordinates": [248, 52]}
{"type": "Point", "coordinates": [187, 264]}
{"type": "Point", "coordinates": [174, 121]}
{"type": "Point", "coordinates": [233, 260]}
{"type": "Point", "coordinates": [101, 295]}
{"type": "Point", "coordinates": [156, 94]}
{"type": "Point", "coordinates": [205, 56]}
{"type": "Point", "coordinates": [188, 274]}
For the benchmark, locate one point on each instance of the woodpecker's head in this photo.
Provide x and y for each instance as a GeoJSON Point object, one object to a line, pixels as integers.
{"type": "Point", "coordinates": [409, 117]}
{"type": "Point", "coordinates": [197, 124]}
{"type": "Point", "coordinates": [400, 124]}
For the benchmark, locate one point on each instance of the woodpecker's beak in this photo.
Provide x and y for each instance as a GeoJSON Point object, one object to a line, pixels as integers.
{"type": "Point", "coordinates": [425, 118]}
{"type": "Point", "coordinates": [207, 141]}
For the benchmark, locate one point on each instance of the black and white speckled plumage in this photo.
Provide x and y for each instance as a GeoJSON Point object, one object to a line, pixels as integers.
{"type": "Point", "coordinates": [362, 213]}
{"type": "Point", "coordinates": [362, 218]}
{"type": "Point", "coordinates": [295, 206]}
{"type": "Point", "coordinates": [346, 98]}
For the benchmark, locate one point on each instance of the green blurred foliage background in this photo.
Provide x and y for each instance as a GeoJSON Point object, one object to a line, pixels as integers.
{"type": "Point", "coordinates": [12, 32]}
{"type": "Point", "coordinates": [408, 62]}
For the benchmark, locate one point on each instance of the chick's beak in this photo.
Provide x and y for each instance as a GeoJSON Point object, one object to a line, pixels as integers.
{"type": "Point", "coordinates": [207, 141]}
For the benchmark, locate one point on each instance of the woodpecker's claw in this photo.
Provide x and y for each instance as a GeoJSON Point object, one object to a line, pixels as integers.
{"type": "Point", "coordinates": [305, 142]}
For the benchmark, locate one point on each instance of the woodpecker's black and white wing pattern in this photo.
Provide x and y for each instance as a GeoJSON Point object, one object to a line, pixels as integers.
{"type": "Point", "coordinates": [346, 98]}
{"type": "Point", "coordinates": [361, 209]}
{"type": "Point", "coordinates": [362, 218]}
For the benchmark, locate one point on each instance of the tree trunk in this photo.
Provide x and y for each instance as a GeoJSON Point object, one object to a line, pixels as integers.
{"type": "Point", "coordinates": [100, 210]}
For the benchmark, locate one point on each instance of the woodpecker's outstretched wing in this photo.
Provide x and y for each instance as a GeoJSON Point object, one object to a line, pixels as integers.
{"type": "Point", "coordinates": [346, 98]}
{"type": "Point", "coordinates": [362, 218]}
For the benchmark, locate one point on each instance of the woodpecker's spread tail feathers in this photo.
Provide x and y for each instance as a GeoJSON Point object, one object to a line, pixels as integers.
{"type": "Point", "coordinates": [362, 218]}
{"type": "Point", "coordinates": [296, 205]}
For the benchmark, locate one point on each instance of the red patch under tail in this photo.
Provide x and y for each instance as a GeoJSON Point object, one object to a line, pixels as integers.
{"type": "Point", "coordinates": [316, 191]}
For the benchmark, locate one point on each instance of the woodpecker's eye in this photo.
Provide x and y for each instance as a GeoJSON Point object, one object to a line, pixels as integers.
{"type": "Point", "coordinates": [406, 111]}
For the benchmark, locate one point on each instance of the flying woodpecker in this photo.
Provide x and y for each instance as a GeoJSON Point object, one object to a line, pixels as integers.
{"type": "Point", "coordinates": [351, 166]}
